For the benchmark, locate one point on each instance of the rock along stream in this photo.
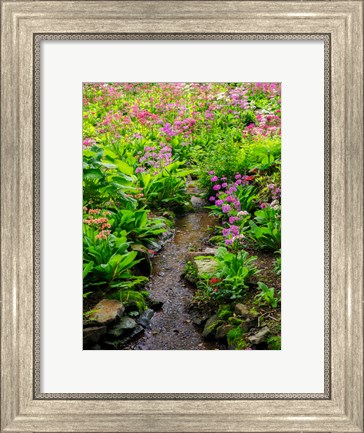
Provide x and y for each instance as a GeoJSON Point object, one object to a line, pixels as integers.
{"type": "Point", "coordinates": [172, 327]}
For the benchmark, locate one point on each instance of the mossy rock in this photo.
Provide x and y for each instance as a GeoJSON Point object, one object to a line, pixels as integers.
{"type": "Point", "coordinates": [211, 325]}
{"type": "Point", "coordinates": [224, 312]}
{"type": "Point", "coordinates": [274, 342]}
{"type": "Point", "coordinates": [235, 338]}
{"type": "Point", "coordinates": [205, 266]}
{"type": "Point", "coordinates": [222, 331]}
{"type": "Point", "coordinates": [235, 321]}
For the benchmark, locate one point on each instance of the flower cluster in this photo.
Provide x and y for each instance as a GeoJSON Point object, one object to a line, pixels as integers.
{"type": "Point", "coordinates": [97, 219]}
{"type": "Point", "coordinates": [88, 142]}
{"type": "Point", "coordinates": [226, 197]}
{"type": "Point", "coordinates": [268, 125]}
{"type": "Point", "coordinates": [155, 158]}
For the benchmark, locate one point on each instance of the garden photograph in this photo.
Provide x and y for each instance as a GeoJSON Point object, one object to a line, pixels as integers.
{"type": "Point", "coordinates": [181, 216]}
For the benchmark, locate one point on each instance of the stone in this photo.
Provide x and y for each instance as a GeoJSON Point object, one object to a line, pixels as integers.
{"type": "Point", "coordinates": [199, 320]}
{"type": "Point", "coordinates": [125, 324]}
{"type": "Point", "coordinates": [155, 304]}
{"type": "Point", "coordinates": [93, 335]}
{"type": "Point", "coordinates": [206, 266]}
{"type": "Point", "coordinates": [88, 323]}
{"type": "Point", "coordinates": [241, 310]}
{"type": "Point", "coordinates": [134, 333]}
{"type": "Point", "coordinates": [107, 311]}
{"type": "Point", "coordinates": [197, 202]}
{"type": "Point", "coordinates": [145, 318]}
{"type": "Point", "coordinates": [259, 336]}
{"type": "Point", "coordinates": [210, 251]}
{"type": "Point", "coordinates": [222, 331]}
{"type": "Point", "coordinates": [209, 330]}
{"type": "Point", "coordinates": [251, 322]}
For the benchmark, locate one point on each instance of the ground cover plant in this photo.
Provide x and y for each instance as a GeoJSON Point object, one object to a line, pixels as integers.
{"type": "Point", "coordinates": [182, 174]}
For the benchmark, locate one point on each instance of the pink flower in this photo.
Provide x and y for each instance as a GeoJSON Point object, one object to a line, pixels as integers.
{"type": "Point", "coordinates": [216, 187]}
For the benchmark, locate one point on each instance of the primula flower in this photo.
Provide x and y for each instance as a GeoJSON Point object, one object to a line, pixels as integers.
{"type": "Point", "coordinates": [212, 198]}
{"type": "Point", "coordinates": [219, 202]}
{"type": "Point", "coordinates": [215, 280]}
{"type": "Point", "coordinates": [214, 179]}
{"type": "Point", "coordinates": [224, 185]}
{"type": "Point", "coordinates": [232, 219]}
{"type": "Point", "coordinates": [243, 213]}
{"type": "Point", "coordinates": [216, 187]}
{"type": "Point", "coordinates": [226, 208]}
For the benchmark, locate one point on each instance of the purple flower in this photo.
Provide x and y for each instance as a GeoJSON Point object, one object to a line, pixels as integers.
{"type": "Point", "coordinates": [224, 185]}
{"type": "Point", "coordinates": [212, 198]}
{"type": "Point", "coordinates": [214, 179]}
{"type": "Point", "coordinates": [228, 241]}
{"type": "Point", "coordinates": [226, 208]}
{"type": "Point", "coordinates": [225, 232]}
{"type": "Point", "coordinates": [234, 230]}
{"type": "Point", "coordinates": [139, 170]}
{"type": "Point", "coordinates": [216, 187]}
{"type": "Point", "coordinates": [230, 199]}
{"type": "Point", "coordinates": [211, 172]}
{"type": "Point", "coordinates": [238, 176]}
{"type": "Point", "coordinates": [232, 219]}
{"type": "Point", "coordinates": [219, 202]}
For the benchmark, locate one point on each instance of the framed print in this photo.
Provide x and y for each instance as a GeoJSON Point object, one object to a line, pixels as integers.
{"type": "Point", "coordinates": [197, 169]}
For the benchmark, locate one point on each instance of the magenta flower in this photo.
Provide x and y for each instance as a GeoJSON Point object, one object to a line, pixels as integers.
{"type": "Point", "coordinates": [216, 187]}
{"type": "Point", "coordinates": [226, 208]}
{"type": "Point", "coordinates": [212, 198]}
{"type": "Point", "coordinates": [214, 179]}
{"type": "Point", "coordinates": [224, 185]}
{"type": "Point", "coordinates": [219, 202]}
{"type": "Point", "coordinates": [232, 219]}
{"type": "Point", "coordinates": [211, 172]}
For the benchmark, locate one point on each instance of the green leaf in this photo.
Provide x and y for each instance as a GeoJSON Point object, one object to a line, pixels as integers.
{"type": "Point", "coordinates": [92, 174]}
{"type": "Point", "coordinates": [87, 269]}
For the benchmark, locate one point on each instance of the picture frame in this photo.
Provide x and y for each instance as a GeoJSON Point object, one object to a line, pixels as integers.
{"type": "Point", "coordinates": [23, 407]}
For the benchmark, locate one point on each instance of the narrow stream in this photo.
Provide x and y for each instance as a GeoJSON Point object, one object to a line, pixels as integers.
{"type": "Point", "coordinates": [171, 327]}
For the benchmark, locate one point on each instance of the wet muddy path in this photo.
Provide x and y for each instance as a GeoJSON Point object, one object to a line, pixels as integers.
{"type": "Point", "coordinates": [172, 327]}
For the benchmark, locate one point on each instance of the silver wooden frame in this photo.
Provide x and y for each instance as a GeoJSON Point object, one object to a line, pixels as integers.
{"type": "Point", "coordinates": [24, 24]}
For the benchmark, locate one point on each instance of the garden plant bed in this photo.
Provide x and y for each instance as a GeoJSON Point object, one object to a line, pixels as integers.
{"type": "Point", "coordinates": [182, 216]}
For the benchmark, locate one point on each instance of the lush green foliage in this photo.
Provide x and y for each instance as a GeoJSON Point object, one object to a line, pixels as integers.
{"type": "Point", "coordinates": [142, 145]}
{"type": "Point", "coordinates": [267, 295]}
